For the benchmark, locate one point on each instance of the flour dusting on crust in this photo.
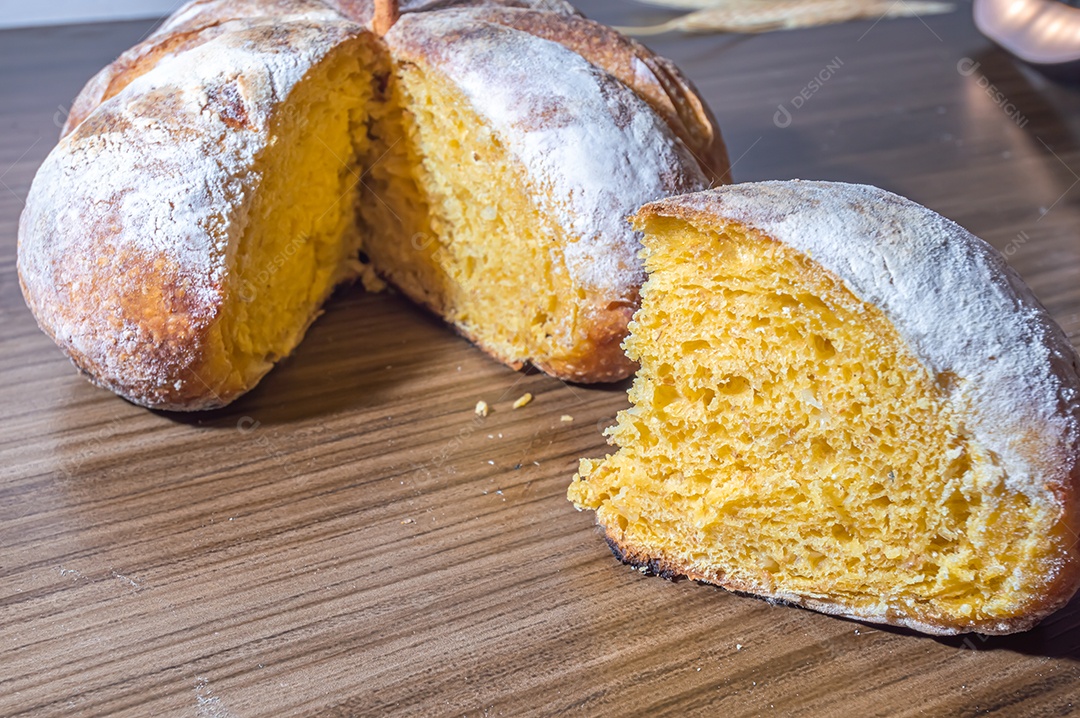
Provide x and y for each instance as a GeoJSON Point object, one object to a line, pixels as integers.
{"type": "Point", "coordinates": [131, 222]}
{"type": "Point", "coordinates": [594, 150]}
{"type": "Point", "coordinates": [951, 296]}
{"type": "Point", "coordinates": [128, 236]}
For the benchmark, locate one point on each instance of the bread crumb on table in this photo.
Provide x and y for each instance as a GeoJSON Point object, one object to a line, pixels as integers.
{"type": "Point", "coordinates": [482, 408]}
{"type": "Point", "coordinates": [566, 418]}
{"type": "Point", "coordinates": [523, 400]}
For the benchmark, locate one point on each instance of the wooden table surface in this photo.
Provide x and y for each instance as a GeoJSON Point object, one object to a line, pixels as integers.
{"type": "Point", "coordinates": [351, 540]}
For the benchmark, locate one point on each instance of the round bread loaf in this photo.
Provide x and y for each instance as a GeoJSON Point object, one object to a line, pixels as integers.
{"type": "Point", "coordinates": [849, 403]}
{"type": "Point", "coordinates": [217, 181]}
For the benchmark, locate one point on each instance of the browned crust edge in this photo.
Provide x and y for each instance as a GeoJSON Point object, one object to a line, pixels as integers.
{"type": "Point", "coordinates": [663, 567]}
{"type": "Point", "coordinates": [602, 362]}
{"type": "Point", "coordinates": [674, 98]}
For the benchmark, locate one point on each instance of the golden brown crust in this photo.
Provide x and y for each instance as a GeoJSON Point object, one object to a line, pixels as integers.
{"type": "Point", "coordinates": [600, 357]}
{"type": "Point", "coordinates": [386, 13]}
{"type": "Point", "coordinates": [170, 334]}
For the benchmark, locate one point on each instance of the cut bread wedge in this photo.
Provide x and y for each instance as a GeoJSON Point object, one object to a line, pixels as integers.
{"type": "Point", "coordinates": [845, 402]}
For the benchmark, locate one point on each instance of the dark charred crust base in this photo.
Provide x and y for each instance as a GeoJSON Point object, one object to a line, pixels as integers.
{"type": "Point", "coordinates": [661, 569]}
{"type": "Point", "coordinates": [649, 567]}
{"type": "Point", "coordinates": [665, 569]}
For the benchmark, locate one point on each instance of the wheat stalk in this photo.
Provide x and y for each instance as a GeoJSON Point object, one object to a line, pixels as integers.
{"type": "Point", "coordinates": [756, 16]}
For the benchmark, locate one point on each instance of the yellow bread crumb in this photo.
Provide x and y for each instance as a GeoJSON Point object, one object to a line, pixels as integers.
{"type": "Point", "coordinates": [523, 400]}
{"type": "Point", "coordinates": [784, 440]}
{"type": "Point", "coordinates": [566, 418]}
{"type": "Point", "coordinates": [482, 408]}
{"type": "Point", "coordinates": [476, 188]}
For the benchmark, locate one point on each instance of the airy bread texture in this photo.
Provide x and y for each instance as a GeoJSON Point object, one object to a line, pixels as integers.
{"type": "Point", "coordinates": [849, 403]}
{"type": "Point", "coordinates": [217, 181]}
{"type": "Point", "coordinates": [538, 272]}
{"type": "Point", "coordinates": [301, 232]}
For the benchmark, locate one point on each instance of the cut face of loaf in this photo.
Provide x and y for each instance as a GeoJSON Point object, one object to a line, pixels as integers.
{"type": "Point", "coordinates": [464, 216]}
{"type": "Point", "coordinates": [181, 239]}
{"type": "Point", "coordinates": [846, 402]}
{"type": "Point", "coordinates": [221, 178]}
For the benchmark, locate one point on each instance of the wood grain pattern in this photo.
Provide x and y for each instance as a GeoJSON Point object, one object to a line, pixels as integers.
{"type": "Point", "coordinates": [350, 540]}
